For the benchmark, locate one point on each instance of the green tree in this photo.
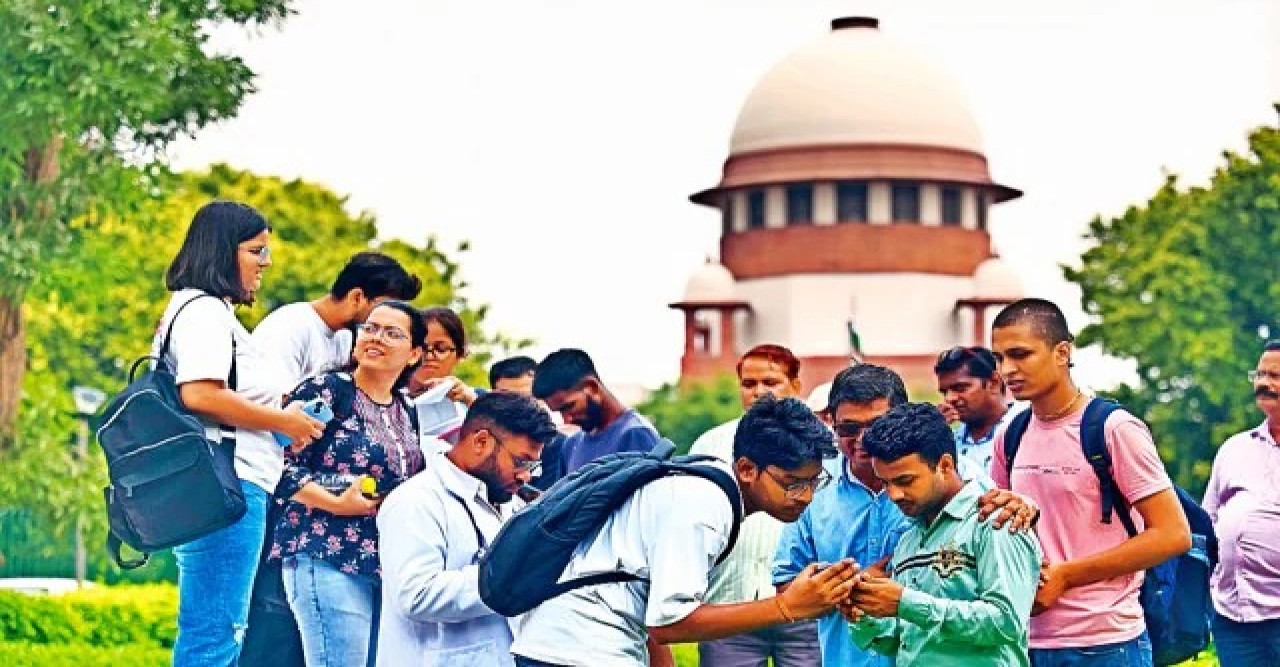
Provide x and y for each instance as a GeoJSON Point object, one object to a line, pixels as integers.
{"type": "Point", "coordinates": [684, 413]}
{"type": "Point", "coordinates": [94, 310]}
{"type": "Point", "coordinates": [1187, 286]}
{"type": "Point", "coordinates": [89, 85]}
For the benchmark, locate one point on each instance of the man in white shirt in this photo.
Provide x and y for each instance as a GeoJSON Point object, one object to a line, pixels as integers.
{"type": "Point", "coordinates": [669, 534]}
{"type": "Point", "coordinates": [434, 528]}
{"type": "Point", "coordinates": [294, 342]}
{"type": "Point", "coordinates": [765, 370]}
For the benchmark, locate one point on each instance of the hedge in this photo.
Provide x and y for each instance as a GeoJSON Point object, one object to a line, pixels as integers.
{"type": "Point", "coordinates": [19, 654]}
{"type": "Point", "coordinates": [134, 616]}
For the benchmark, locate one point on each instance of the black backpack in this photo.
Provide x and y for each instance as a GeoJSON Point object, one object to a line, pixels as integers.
{"type": "Point", "coordinates": [521, 568]}
{"type": "Point", "coordinates": [169, 483]}
{"type": "Point", "coordinates": [1175, 594]}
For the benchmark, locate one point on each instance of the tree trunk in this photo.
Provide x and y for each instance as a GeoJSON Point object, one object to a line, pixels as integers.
{"type": "Point", "coordinates": [13, 364]}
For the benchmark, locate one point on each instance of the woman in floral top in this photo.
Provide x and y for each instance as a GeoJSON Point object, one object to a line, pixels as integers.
{"type": "Point", "coordinates": [327, 535]}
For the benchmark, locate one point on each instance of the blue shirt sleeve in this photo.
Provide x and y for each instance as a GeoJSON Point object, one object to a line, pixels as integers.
{"type": "Point", "coordinates": [795, 551]}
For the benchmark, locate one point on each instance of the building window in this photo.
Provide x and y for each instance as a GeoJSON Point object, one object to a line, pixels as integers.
{"type": "Point", "coordinates": [726, 213]}
{"type": "Point", "coordinates": [851, 202]}
{"type": "Point", "coordinates": [981, 200]}
{"type": "Point", "coordinates": [799, 204]}
{"type": "Point", "coordinates": [952, 207]}
{"type": "Point", "coordinates": [906, 202]}
{"type": "Point", "coordinates": [755, 209]}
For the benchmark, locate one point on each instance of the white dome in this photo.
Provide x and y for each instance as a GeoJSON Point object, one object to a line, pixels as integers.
{"type": "Point", "coordinates": [854, 85]}
{"type": "Point", "coordinates": [996, 280]}
{"type": "Point", "coordinates": [819, 397]}
{"type": "Point", "coordinates": [710, 283]}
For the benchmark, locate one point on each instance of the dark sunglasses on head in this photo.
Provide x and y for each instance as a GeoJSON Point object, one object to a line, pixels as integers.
{"type": "Point", "coordinates": [960, 354]}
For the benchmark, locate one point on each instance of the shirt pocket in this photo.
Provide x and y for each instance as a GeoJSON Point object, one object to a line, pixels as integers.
{"type": "Point", "coordinates": [484, 654]}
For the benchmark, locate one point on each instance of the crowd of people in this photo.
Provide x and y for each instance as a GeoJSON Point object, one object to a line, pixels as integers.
{"type": "Point", "coordinates": [877, 530]}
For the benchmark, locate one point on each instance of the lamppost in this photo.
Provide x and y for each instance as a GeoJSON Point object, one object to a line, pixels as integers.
{"type": "Point", "coordinates": [88, 401]}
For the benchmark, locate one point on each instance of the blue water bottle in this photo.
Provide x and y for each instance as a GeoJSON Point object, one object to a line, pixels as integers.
{"type": "Point", "coordinates": [315, 407]}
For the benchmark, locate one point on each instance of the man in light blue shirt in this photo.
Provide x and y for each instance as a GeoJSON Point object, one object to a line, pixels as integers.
{"type": "Point", "coordinates": [973, 394]}
{"type": "Point", "coordinates": [434, 528]}
{"type": "Point", "coordinates": [854, 518]}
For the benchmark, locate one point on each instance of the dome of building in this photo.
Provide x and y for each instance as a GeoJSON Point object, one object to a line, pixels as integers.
{"type": "Point", "coordinates": [995, 280]}
{"type": "Point", "coordinates": [854, 85]}
{"type": "Point", "coordinates": [710, 283]}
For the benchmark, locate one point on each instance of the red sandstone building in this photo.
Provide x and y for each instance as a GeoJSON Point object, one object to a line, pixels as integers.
{"type": "Point", "coordinates": [854, 206]}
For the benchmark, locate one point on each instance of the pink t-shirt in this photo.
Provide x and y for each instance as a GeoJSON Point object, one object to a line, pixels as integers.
{"type": "Point", "coordinates": [1051, 469]}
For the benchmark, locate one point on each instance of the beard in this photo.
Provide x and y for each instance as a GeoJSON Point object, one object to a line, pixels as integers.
{"type": "Point", "coordinates": [491, 475]}
{"type": "Point", "coordinates": [594, 417]}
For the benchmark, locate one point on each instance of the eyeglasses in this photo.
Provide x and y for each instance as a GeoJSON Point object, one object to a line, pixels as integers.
{"type": "Point", "coordinates": [386, 333]}
{"type": "Point", "coordinates": [263, 253]}
{"type": "Point", "coordinates": [795, 490]}
{"type": "Point", "coordinates": [531, 466]}
{"type": "Point", "coordinates": [439, 351]}
{"type": "Point", "coordinates": [1273, 376]}
{"type": "Point", "coordinates": [853, 429]}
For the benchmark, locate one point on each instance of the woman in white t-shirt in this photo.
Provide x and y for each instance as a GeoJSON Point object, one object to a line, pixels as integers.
{"type": "Point", "coordinates": [220, 380]}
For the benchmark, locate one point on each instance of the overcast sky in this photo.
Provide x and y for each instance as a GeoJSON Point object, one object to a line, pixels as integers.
{"type": "Point", "coordinates": [562, 138]}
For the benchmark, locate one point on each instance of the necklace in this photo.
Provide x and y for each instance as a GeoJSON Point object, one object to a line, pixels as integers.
{"type": "Point", "coordinates": [1064, 410]}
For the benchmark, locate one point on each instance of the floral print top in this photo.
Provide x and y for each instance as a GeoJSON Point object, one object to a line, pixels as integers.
{"type": "Point", "coordinates": [363, 438]}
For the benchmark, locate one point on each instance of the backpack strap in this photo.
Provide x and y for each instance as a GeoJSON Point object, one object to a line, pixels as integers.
{"type": "Point", "coordinates": [720, 478]}
{"type": "Point", "coordinates": [228, 432]}
{"type": "Point", "coordinates": [1093, 440]}
{"type": "Point", "coordinates": [114, 544]}
{"type": "Point", "coordinates": [1012, 438]}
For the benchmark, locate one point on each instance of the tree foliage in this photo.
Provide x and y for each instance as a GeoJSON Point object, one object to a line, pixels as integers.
{"type": "Point", "coordinates": [89, 87]}
{"type": "Point", "coordinates": [95, 308]}
{"type": "Point", "coordinates": [684, 413]}
{"type": "Point", "coordinates": [1187, 285]}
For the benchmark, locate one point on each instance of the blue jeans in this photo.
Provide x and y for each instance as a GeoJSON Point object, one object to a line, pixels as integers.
{"type": "Point", "coordinates": [1134, 653]}
{"type": "Point", "coordinates": [215, 576]}
{"type": "Point", "coordinates": [1246, 644]}
{"type": "Point", "coordinates": [337, 612]}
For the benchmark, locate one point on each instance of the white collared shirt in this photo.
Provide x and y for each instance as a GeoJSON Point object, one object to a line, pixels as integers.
{"type": "Point", "coordinates": [670, 533]}
{"type": "Point", "coordinates": [432, 613]}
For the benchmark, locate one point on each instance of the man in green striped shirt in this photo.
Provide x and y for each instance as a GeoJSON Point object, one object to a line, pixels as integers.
{"type": "Point", "coordinates": [961, 590]}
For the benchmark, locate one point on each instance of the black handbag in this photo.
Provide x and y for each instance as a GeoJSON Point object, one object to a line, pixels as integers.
{"type": "Point", "coordinates": [169, 483]}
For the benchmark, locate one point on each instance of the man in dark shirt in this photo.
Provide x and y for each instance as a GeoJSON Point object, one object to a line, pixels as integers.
{"type": "Point", "coordinates": [567, 381]}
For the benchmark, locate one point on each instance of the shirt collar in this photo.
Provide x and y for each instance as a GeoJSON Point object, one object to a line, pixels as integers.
{"type": "Point", "coordinates": [458, 481]}
{"type": "Point", "coordinates": [995, 428]}
{"type": "Point", "coordinates": [963, 503]}
{"type": "Point", "coordinates": [1263, 433]}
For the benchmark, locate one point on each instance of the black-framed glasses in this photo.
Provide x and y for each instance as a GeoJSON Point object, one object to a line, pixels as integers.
{"type": "Point", "coordinates": [374, 330]}
{"type": "Point", "coordinates": [795, 490]}
{"type": "Point", "coordinates": [853, 429]}
{"type": "Point", "coordinates": [1256, 375]}
{"type": "Point", "coordinates": [439, 351]}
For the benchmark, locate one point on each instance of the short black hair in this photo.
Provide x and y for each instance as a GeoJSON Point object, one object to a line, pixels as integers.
{"type": "Point", "coordinates": [209, 258]}
{"type": "Point", "coordinates": [910, 428]}
{"type": "Point", "coordinates": [562, 370]}
{"type": "Point", "coordinates": [511, 368]}
{"type": "Point", "coordinates": [378, 276]}
{"type": "Point", "coordinates": [864, 383]}
{"type": "Point", "coordinates": [1044, 317]}
{"type": "Point", "coordinates": [783, 433]}
{"type": "Point", "coordinates": [977, 361]}
{"type": "Point", "coordinates": [1272, 345]}
{"type": "Point", "coordinates": [516, 414]}
{"type": "Point", "coordinates": [452, 324]}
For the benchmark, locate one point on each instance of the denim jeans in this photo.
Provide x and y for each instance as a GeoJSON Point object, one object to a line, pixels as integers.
{"type": "Point", "coordinates": [215, 576]}
{"type": "Point", "coordinates": [1134, 653]}
{"type": "Point", "coordinates": [1247, 644]}
{"type": "Point", "coordinates": [789, 644]}
{"type": "Point", "coordinates": [337, 612]}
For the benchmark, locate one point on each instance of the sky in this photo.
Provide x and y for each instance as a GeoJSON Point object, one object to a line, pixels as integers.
{"type": "Point", "coordinates": [562, 139]}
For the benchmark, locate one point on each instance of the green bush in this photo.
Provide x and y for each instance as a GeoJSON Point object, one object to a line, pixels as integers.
{"type": "Point", "coordinates": [18, 654]}
{"type": "Point", "coordinates": [135, 616]}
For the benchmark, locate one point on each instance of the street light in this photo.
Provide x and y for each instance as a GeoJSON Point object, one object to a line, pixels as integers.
{"type": "Point", "coordinates": [88, 401]}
